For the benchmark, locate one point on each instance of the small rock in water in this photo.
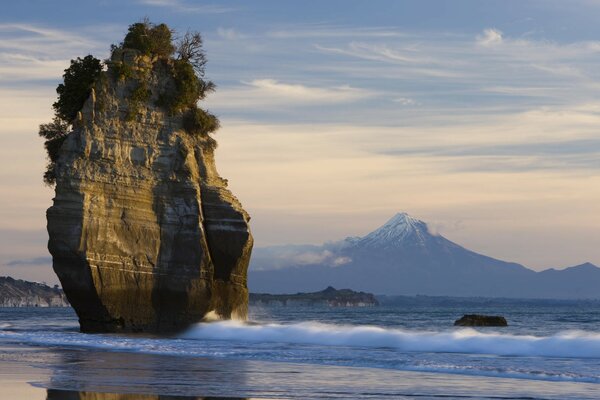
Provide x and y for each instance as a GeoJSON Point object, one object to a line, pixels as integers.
{"type": "Point", "coordinates": [481, 320]}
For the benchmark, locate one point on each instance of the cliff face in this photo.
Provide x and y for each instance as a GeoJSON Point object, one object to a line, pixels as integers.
{"type": "Point", "coordinates": [19, 293]}
{"type": "Point", "coordinates": [144, 234]}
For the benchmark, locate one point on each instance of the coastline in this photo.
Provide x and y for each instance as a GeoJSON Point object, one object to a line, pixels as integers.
{"type": "Point", "coordinates": [28, 372]}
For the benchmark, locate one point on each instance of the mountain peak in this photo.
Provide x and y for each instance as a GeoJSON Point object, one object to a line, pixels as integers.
{"type": "Point", "coordinates": [588, 266]}
{"type": "Point", "coordinates": [396, 231]}
{"type": "Point", "coordinates": [403, 222]}
{"type": "Point", "coordinates": [402, 218]}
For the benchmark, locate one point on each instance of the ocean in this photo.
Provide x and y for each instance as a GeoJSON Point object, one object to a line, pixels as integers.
{"type": "Point", "coordinates": [407, 348]}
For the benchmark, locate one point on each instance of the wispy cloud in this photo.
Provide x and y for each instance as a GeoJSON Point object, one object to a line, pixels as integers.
{"type": "Point", "coordinates": [33, 52]}
{"type": "Point", "coordinates": [182, 6]}
{"type": "Point", "coordinates": [230, 34]}
{"type": "Point", "coordinates": [375, 52]}
{"type": "Point", "coordinates": [21, 38]}
{"type": "Point", "coordinates": [260, 92]}
{"type": "Point", "coordinates": [490, 37]}
{"type": "Point", "coordinates": [297, 92]}
{"type": "Point", "coordinates": [313, 31]}
{"type": "Point", "coordinates": [405, 101]}
{"type": "Point", "coordinates": [42, 261]}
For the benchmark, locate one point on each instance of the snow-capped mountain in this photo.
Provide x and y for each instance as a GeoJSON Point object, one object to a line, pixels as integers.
{"type": "Point", "coordinates": [401, 230]}
{"type": "Point", "coordinates": [404, 257]}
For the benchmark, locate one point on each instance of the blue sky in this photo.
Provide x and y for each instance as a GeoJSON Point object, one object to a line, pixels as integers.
{"type": "Point", "coordinates": [479, 117]}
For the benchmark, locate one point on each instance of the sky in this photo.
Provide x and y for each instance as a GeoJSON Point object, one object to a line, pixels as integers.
{"type": "Point", "coordinates": [481, 118]}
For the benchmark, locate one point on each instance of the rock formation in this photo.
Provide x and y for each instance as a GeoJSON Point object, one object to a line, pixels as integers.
{"type": "Point", "coordinates": [144, 234]}
{"type": "Point", "coordinates": [480, 320]}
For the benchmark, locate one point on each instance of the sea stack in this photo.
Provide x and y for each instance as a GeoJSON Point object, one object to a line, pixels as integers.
{"type": "Point", "coordinates": [143, 232]}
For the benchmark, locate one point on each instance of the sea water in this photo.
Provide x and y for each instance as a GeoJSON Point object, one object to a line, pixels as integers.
{"type": "Point", "coordinates": [405, 349]}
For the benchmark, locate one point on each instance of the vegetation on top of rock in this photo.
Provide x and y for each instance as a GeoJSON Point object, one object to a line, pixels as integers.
{"type": "Point", "coordinates": [149, 39]}
{"type": "Point", "coordinates": [197, 121]}
{"type": "Point", "coordinates": [78, 81]}
{"type": "Point", "coordinates": [189, 49]}
{"type": "Point", "coordinates": [188, 88]}
{"type": "Point", "coordinates": [183, 59]}
{"type": "Point", "coordinates": [74, 91]}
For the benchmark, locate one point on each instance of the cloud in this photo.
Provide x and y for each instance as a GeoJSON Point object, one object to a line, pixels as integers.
{"type": "Point", "coordinates": [258, 93]}
{"type": "Point", "coordinates": [310, 258]}
{"type": "Point", "coordinates": [278, 257]}
{"type": "Point", "coordinates": [181, 6]}
{"type": "Point", "coordinates": [42, 261]}
{"type": "Point", "coordinates": [298, 92]}
{"type": "Point", "coordinates": [311, 31]}
{"type": "Point", "coordinates": [405, 101]}
{"type": "Point", "coordinates": [31, 52]}
{"type": "Point", "coordinates": [374, 52]}
{"type": "Point", "coordinates": [25, 40]}
{"type": "Point", "coordinates": [414, 62]}
{"type": "Point", "coordinates": [229, 34]}
{"type": "Point", "coordinates": [490, 37]}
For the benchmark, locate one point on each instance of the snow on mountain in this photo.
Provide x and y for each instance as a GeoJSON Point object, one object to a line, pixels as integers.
{"type": "Point", "coordinates": [395, 232]}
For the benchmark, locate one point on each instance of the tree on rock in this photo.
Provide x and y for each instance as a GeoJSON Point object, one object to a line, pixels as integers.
{"type": "Point", "coordinates": [149, 39]}
{"type": "Point", "coordinates": [78, 81]}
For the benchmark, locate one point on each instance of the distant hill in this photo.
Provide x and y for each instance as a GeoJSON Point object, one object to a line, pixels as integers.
{"type": "Point", "coordinates": [18, 293]}
{"type": "Point", "coordinates": [329, 297]}
{"type": "Point", "coordinates": [403, 257]}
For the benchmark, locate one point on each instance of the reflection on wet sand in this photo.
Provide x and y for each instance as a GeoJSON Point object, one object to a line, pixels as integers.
{"type": "Point", "coordinates": [54, 394]}
{"type": "Point", "coordinates": [96, 375]}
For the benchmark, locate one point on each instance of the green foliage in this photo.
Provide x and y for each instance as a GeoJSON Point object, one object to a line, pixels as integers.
{"type": "Point", "coordinates": [122, 71]}
{"type": "Point", "coordinates": [140, 95]}
{"type": "Point", "coordinates": [78, 81]}
{"type": "Point", "coordinates": [149, 39]}
{"type": "Point", "coordinates": [55, 134]}
{"type": "Point", "coordinates": [187, 85]}
{"type": "Point", "coordinates": [196, 121]}
{"type": "Point", "coordinates": [188, 88]}
{"type": "Point", "coordinates": [54, 129]}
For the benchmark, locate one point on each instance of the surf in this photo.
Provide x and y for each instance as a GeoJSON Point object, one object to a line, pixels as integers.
{"type": "Point", "coordinates": [567, 344]}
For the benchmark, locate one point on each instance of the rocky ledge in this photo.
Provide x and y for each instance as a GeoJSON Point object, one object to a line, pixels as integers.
{"type": "Point", "coordinates": [19, 293]}
{"type": "Point", "coordinates": [329, 297]}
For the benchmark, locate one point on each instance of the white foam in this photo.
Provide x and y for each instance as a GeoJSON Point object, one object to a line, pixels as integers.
{"type": "Point", "coordinates": [224, 339]}
{"type": "Point", "coordinates": [573, 344]}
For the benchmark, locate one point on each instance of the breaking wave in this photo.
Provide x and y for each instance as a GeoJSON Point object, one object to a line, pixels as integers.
{"type": "Point", "coordinates": [359, 346]}
{"type": "Point", "coordinates": [569, 344]}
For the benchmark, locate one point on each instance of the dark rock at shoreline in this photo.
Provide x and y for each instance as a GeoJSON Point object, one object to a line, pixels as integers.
{"type": "Point", "coordinates": [19, 293]}
{"type": "Point", "coordinates": [481, 320]}
{"type": "Point", "coordinates": [329, 297]}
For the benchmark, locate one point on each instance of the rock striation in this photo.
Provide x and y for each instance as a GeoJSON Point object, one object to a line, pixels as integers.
{"type": "Point", "coordinates": [144, 234]}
